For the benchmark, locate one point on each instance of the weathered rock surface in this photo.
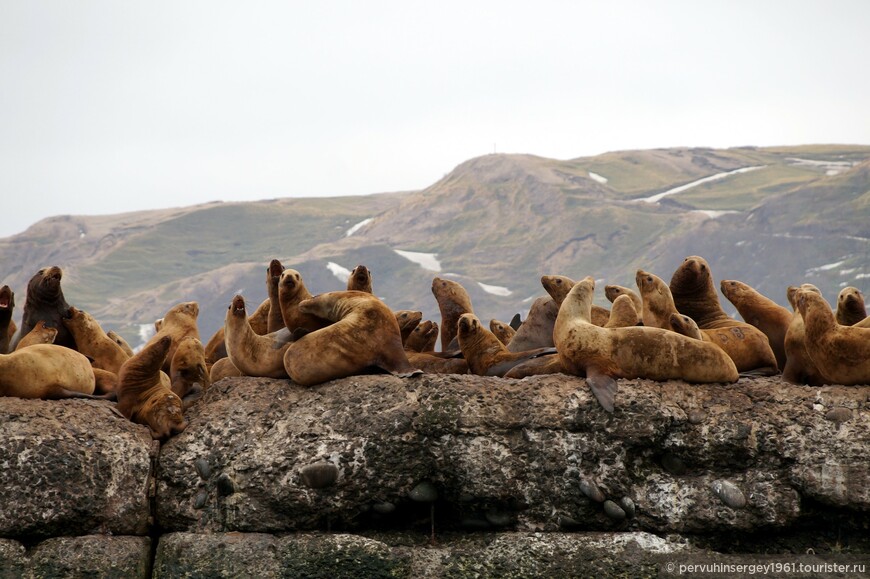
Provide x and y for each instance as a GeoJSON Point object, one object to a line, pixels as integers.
{"type": "Point", "coordinates": [88, 556]}
{"type": "Point", "coordinates": [511, 455]}
{"type": "Point", "coordinates": [72, 467]}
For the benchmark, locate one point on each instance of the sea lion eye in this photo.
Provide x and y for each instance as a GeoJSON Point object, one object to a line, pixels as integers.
{"type": "Point", "coordinates": [649, 278]}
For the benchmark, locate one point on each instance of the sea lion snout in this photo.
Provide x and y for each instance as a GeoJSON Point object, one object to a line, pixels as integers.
{"type": "Point", "coordinates": [238, 305]}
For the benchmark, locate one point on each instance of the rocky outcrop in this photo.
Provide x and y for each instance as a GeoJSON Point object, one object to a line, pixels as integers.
{"type": "Point", "coordinates": [497, 472]}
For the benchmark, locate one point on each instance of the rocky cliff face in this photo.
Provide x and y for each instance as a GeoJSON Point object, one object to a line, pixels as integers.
{"type": "Point", "coordinates": [529, 476]}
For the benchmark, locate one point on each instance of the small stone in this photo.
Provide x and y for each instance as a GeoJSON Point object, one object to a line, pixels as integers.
{"type": "Point", "coordinates": [673, 464]}
{"type": "Point", "coordinates": [591, 490]}
{"type": "Point", "coordinates": [839, 414]}
{"type": "Point", "coordinates": [202, 468]}
{"type": "Point", "coordinates": [200, 499]}
{"type": "Point", "coordinates": [697, 416]}
{"type": "Point", "coordinates": [614, 511]}
{"type": "Point", "coordinates": [498, 518]}
{"type": "Point", "coordinates": [225, 485]}
{"type": "Point", "coordinates": [384, 508]}
{"type": "Point", "coordinates": [628, 506]}
{"type": "Point", "coordinates": [319, 475]}
{"type": "Point", "coordinates": [567, 522]}
{"type": "Point", "coordinates": [424, 492]}
{"type": "Point", "coordinates": [729, 493]}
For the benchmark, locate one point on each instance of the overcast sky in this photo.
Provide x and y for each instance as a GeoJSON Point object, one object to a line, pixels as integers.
{"type": "Point", "coordinates": [110, 106]}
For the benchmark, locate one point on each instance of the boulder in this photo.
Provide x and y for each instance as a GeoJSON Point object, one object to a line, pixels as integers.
{"type": "Point", "coordinates": [86, 556]}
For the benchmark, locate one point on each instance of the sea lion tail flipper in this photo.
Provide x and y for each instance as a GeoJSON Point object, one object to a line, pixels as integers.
{"type": "Point", "coordinates": [766, 371]}
{"type": "Point", "coordinates": [410, 373]}
{"type": "Point", "coordinates": [603, 387]}
{"type": "Point", "coordinates": [544, 352]}
{"type": "Point", "coordinates": [516, 322]}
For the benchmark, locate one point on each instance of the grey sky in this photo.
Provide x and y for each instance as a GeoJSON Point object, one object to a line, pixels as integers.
{"type": "Point", "coordinates": [113, 106]}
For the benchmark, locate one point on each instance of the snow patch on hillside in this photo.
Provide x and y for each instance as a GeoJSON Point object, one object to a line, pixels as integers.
{"type": "Point", "coordinates": [658, 197]}
{"type": "Point", "coordinates": [358, 226]}
{"type": "Point", "coordinates": [427, 261]}
{"type": "Point", "coordinates": [597, 177]}
{"type": "Point", "coordinates": [495, 290]}
{"type": "Point", "coordinates": [342, 273]}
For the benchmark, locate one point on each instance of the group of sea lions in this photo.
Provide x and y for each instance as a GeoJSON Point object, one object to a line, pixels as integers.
{"type": "Point", "coordinates": [661, 332]}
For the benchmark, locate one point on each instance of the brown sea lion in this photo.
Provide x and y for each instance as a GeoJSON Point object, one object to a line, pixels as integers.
{"type": "Point", "coordinates": [453, 301]}
{"type": "Point", "coordinates": [536, 330]}
{"type": "Point", "coordinates": [558, 287]}
{"type": "Point", "coordinates": [93, 341]}
{"type": "Point", "coordinates": [431, 364]}
{"type": "Point", "coordinates": [408, 320]}
{"type": "Point", "coordinates": [684, 325]}
{"type": "Point", "coordinates": [46, 371]}
{"type": "Point", "coordinates": [364, 333]}
{"type": "Point", "coordinates": [799, 367]}
{"type": "Point", "coordinates": [623, 313]}
{"type": "Point", "coordinates": [657, 302]}
{"type": "Point", "coordinates": [762, 312]}
{"type": "Point", "coordinates": [694, 295]}
{"type": "Point", "coordinates": [106, 383]}
{"type": "Point", "coordinates": [850, 306]}
{"type": "Point", "coordinates": [144, 393]}
{"type": "Point", "coordinates": [611, 292]}
{"type": "Point", "coordinates": [260, 318]}
{"type": "Point", "coordinates": [423, 337]}
{"type": "Point", "coordinates": [187, 368]}
{"type": "Point", "coordinates": [7, 324]}
{"type": "Point", "coordinates": [841, 353]}
{"type": "Point", "coordinates": [120, 341]}
{"type": "Point", "coordinates": [360, 279]}
{"type": "Point", "coordinates": [604, 354]}
{"type": "Point", "coordinates": [546, 364]}
{"type": "Point", "coordinates": [40, 334]}
{"type": "Point", "coordinates": [251, 354]}
{"type": "Point", "coordinates": [223, 368]}
{"type": "Point", "coordinates": [45, 301]}
{"type": "Point", "coordinates": [486, 356]}
{"type": "Point", "coordinates": [292, 292]}
{"type": "Point", "coordinates": [504, 332]}
{"type": "Point", "coordinates": [178, 323]}
{"type": "Point", "coordinates": [216, 348]}
{"type": "Point", "coordinates": [275, 321]}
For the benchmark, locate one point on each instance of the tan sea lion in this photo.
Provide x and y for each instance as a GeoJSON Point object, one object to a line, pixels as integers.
{"type": "Point", "coordinates": [799, 367]}
{"type": "Point", "coordinates": [40, 334]}
{"type": "Point", "coordinates": [536, 330]}
{"type": "Point", "coordinates": [223, 368]}
{"type": "Point", "coordinates": [694, 295]}
{"type": "Point", "coordinates": [423, 337]}
{"type": "Point", "coordinates": [611, 292]}
{"type": "Point", "coordinates": [408, 320]}
{"type": "Point", "coordinates": [762, 312]}
{"type": "Point", "coordinates": [850, 306]}
{"type": "Point", "coordinates": [841, 353]}
{"type": "Point", "coordinates": [656, 300]}
{"type": "Point", "coordinates": [623, 313]}
{"type": "Point", "coordinates": [558, 287]}
{"type": "Point", "coordinates": [45, 301]}
{"type": "Point", "coordinates": [684, 325]}
{"type": "Point", "coordinates": [46, 371]}
{"type": "Point", "coordinates": [546, 364]}
{"type": "Point", "coordinates": [251, 354]}
{"type": "Point", "coordinates": [93, 341]}
{"type": "Point", "coordinates": [260, 318]}
{"type": "Point", "coordinates": [178, 323]}
{"type": "Point", "coordinates": [453, 301]}
{"type": "Point", "coordinates": [502, 331]}
{"type": "Point", "coordinates": [106, 383]}
{"type": "Point", "coordinates": [120, 341]}
{"type": "Point", "coordinates": [7, 324]}
{"type": "Point", "coordinates": [364, 333]}
{"type": "Point", "coordinates": [216, 348]}
{"type": "Point", "coordinates": [486, 356]}
{"type": "Point", "coordinates": [292, 292]}
{"type": "Point", "coordinates": [188, 368]}
{"type": "Point", "coordinates": [604, 354]}
{"type": "Point", "coordinates": [275, 321]}
{"type": "Point", "coordinates": [144, 393]}
{"type": "Point", "coordinates": [431, 364]}
{"type": "Point", "coordinates": [360, 279]}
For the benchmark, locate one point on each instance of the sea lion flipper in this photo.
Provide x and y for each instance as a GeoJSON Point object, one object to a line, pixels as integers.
{"type": "Point", "coordinates": [766, 371]}
{"type": "Point", "coordinates": [516, 322]}
{"type": "Point", "coordinates": [603, 387]}
{"type": "Point", "coordinates": [298, 333]}
{"type": "Point", "coordinates": [409, 374]}
{"type": "Point", "coordinates": [543, 352]}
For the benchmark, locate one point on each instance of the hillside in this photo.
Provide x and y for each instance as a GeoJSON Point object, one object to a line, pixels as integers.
{"type": "Point", "coordinates": [768, 216]}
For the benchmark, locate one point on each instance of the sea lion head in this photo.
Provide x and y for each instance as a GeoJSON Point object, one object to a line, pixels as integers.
{"type": "Point", "coordinates": [275, 269]}
{"type": "Point", "coordinates": [291, 281]}
{"type": "Point", "coordinates": [165, 415]}
{"type": "Point", "coordinates": [647, 282]}
{"type": "Point", "coordinates": [184, 309]}
{"type": "Point", "coordinates": [693, 274]}
{"type": "Point", "coordinates": [557, 286]}
{"type": "Point", "coordinates": [733, 289]}
{"type": "Point", "coordinates": [612, 292]}
{"type": "Point", "coordinates": [45, 284]}
{"type": "Point", "coordinates": [578, 302]}
{"type": "Point", "coordinates": [237, 306]}
{"type": "Point", "coordinates": [808, 300]}
{"type": "Point", "coordinates": [424, 336]}
{"type": "Point", "coordinates": [360, 279]}
{"type": "Point", "coordinates": [7, 301]}
{"type": "Point", "coordinates": [467, 326]}
{"type": "Point", "coordinates": [685, 325]}
{"type": "Point", "coordinates": [76, 319]}
{"type": "Point", "coordinates": [791, 293]}
{"type": "Point", "coordinates": [850, 306]}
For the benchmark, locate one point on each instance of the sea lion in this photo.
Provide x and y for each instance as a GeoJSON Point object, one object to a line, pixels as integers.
{"type": "Point", "coordinates": [850, 306]}
{"type": "Point", "coordinates": [657, 302]}
{"type": "Point", "coordinates": [605, 354]}
{"type": "Point", "coordinates": [93, 341]}
{"type": "Point", "coordinates": [292, 292]}
{"type": "Point", "coordinates": [40, 334]}
{"type": "Point", "coordinates": [486, 356]}
{"type": "Point", "coordinates": [188, 368]}
{"type": "Point", "coordinates": [251, 354]}
{"type": "Point", "coordinates": [623, 313]}
{"type": "Point", "coordinates": [694, 295]}
{"type": "Point", "coordinates": [546, 364]}
{"type": "Point", "coordinates": [799, 367]}
{"type": "Point", "coordinates": [260, 318]}
{"type": "Point", "coordinates": [360, 279]}
{"type": "Point", "coordinates": [275, 321]}
{"type": "Point", "coordinates": [46, 371]}
{"type": "Point", "coordinates": [120, 341]}
{"type": "Point", "coordinates": [684, 325]}
{"type": "Point", "coordinates": [558, 287]}
{"type": "Point", "coordinates": [144, 393]}
{"type": "Point", "coordinates": [7, 324]}
{"type": "Point", "coordinates": [178, 323]}
{"type": "Point", "coordinates": [364, 333]}
{"type": "Point", "coordinates": [431, 364]}
{"type": "Point", "coordinates": [536, 330]}
{"type": "Point", "coordinates": [408, 320]}
{"type": "Point", "coordinates": [45, 301]}
{"type": "Point", "coordinates": [504, 332]}
{"type": "Point", "coordinates": [216, 348]}
{"type": "Point", "coordinates": [223, 368]}
{"type": "Point", "coordinates": [611, 292]}
{"type": "Point", "coordinates": [841, 353]}
{"type": "Point", "coordinates": [453, 301]}
{"type": "Point", "coordinates": [423, 337]}
{"type": "Point", "coordinates": [762, 312]}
